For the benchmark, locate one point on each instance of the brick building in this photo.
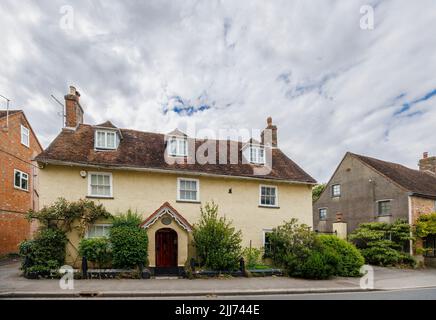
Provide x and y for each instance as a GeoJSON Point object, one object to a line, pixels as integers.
{"type": "Point", "coordinates": [18, 178]}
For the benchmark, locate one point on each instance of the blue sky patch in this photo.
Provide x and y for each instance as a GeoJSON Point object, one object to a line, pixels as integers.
{"type": "Point", "coordinates": [408, 105]}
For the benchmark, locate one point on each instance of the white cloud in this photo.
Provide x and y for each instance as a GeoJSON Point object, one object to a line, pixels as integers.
{"type": "Point", "coordinates": [330, 86]}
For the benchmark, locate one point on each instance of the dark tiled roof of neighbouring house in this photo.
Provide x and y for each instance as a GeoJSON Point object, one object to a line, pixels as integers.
{"type": "Point", "coordinates": [3, 113]}
{"type": "Point", "coordinates": [418, 182]}
{"type": "Point", "coordinates": [139, 149]}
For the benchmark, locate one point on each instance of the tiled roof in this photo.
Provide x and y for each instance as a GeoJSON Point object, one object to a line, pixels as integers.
{"type": "Point", "coordinates": [419, 182]}
{"type": "Point", "coordinates": [140, 149]}
{"type": "Point", "coordinates": [11, 112]}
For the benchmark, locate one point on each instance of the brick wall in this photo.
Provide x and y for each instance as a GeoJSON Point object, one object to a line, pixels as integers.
{"type": "Point", "coordinates": [14, 203]}
{"type": "Point", "coordinates": [421, 206]}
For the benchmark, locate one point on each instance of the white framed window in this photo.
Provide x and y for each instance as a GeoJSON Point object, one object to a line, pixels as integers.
{"type": "Point", "coordinates": [188, 189]}
{"type": "Point", "coordinates": [322, 213]}
{"type": "Point", "coordinates": [99, 230]}
{"type": "Point", "coordinates": [268, 196]}
{"type": "Point", "coordinates": [100, 184]}
{"type": "Point", "coordinates": [105, 139]}
{"type": "Point", "coordinates": [257, 155]}
{"type": "Point", "coordinates": [336, 190]}
{"type": "Point", "coordinates": [25, 140]}
{"type": "Point", "coordinates": [177, 147]}
{"type": "Point", "coordinates": [21, 180]}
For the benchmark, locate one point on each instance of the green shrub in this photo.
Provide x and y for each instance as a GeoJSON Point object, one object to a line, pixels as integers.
{"type": "Point", "coordinates": [426, 225]}
{"type": "Point", "coordinates": [384, 244]}
{"type": "Point", "coordinates": [129, 219]}
{"type": "Point", "coordinates": [384, 253]}
{"type": "Point", "coordinates": [96, 250]}
{"type": "Point", "coordinates": [129, 241]}
{"type": "Point", "coordinates": [350, 260]}
{"type": "Point", "coordinates": [217, 244]}
{"type": "Point", "coordinates": [45, 252]}
{"type": "Point", "coordinates": [65, 215]}
{"type": "Point", "coordinates": [252, 257]}
{"type": "Point", "coordinates": [291, 243]}
{"type": "Point", "coordinates": [321, 263]}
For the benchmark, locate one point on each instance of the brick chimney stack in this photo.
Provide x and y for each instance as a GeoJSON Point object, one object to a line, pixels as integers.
{"type": "Point", "coordinates": [73, 109]}
{"type": "Point", "coordinates": [427, 163]}
{"type": "Point", "coordinates": [273, 134]}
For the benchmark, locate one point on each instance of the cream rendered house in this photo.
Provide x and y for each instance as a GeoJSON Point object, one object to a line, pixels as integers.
{"type": "Point", "coordinates": [127, 169]}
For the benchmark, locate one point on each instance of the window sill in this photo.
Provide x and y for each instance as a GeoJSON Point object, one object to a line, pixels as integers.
{"type": "Point", "coordinates": [20, 189]}
{"type": "Point", "coordinates": [383, 215]}
{"type": "Point", "coordinates": [99, 197]}
{"type": "Point", "coordinates": [269, 207]}
{"type": "Point", "coordinates": [105, 149]}
{"type": "Point", "coordinates": [188, 201]}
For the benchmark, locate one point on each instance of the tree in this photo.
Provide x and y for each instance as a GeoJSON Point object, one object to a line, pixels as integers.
{"type": "Point", "coordinates": [317, 190]}
{"type": "Point", "coordinates": [384, 243]}
{"type": "Point", "coordinates": [217, 243]}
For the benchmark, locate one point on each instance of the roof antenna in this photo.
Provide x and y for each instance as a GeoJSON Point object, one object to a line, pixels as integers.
{"type": "Point", "coordinates": [62, 114]}
{"type": "Point", "coordinates": [7, 110]}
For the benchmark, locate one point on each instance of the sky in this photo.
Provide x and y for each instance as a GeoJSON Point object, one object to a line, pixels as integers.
{"type": "Point", "coordinates": [330, 85]}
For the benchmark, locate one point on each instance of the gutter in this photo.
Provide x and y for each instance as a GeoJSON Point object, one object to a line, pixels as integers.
{"type": "Point", "coordinates": [422, 195]}
{"type": "Point", "coordinates": [177, 172]}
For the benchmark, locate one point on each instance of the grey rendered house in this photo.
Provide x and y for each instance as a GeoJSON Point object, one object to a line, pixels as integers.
{"type": "Point", "coordinates": [364, 189]}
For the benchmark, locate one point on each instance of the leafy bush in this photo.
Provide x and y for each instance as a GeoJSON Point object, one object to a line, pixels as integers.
{"type": "Point", "coordinates": [129, 219]}
{"type": "Point", "coordinates": [321, 263]}
{"type": "Point", "coordinates": [129, 241]}
{"type": "Point", "coordinates": [426, 225]}
{"type": "Point", "coordinates": [62, 214]}
{"type": "Point", "coordinates": [350, 260]}
{"type": "Point", "coordinates": [252, 257]}
{"type": "Point", "coordinates": [45, 252]}
{"type": "Point", "coordinates": [291, 243]}
{"type": "Point", "coordinates": [317, 190]}
{"type": "Point", "coordinates": [217, 244]}
{"type": "Point", "coordinates": [96, 250]}
{"type": "Point", "coordinates": [384, 244]}
{"type": "Point", "coordinates": [384, 253]}
{"type": "Point", "coordinates": [303, 253]}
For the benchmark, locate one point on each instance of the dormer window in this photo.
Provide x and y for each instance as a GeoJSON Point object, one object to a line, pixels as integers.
{"type": "Point", "coordinates": [105, 139]}
{"type": "Point", "coordinates": [177, 147]}
{"type": "Point", "coordinates": [257, 155]}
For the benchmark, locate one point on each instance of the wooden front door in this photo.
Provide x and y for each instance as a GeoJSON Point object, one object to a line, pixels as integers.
{"type": "Point", "coordinates": [166, 248]}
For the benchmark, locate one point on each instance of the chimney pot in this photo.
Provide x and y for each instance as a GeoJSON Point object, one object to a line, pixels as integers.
{"type": "Point", "coordinates": [73, 90]}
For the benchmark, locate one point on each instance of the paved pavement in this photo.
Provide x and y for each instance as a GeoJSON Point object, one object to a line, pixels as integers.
{"type": "Point", "coordinates": [12, 284]}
